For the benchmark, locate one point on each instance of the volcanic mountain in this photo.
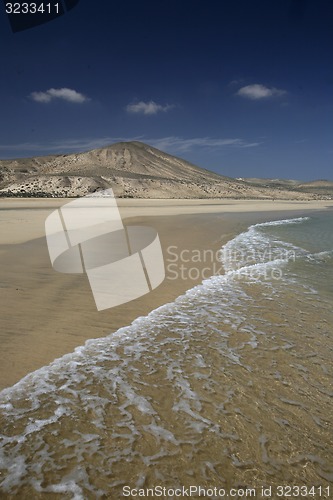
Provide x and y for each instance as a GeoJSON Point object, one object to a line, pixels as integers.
{"type": "Point", "coordinates": [133, 170]}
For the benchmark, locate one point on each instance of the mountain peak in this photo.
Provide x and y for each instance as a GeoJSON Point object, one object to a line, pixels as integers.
{"type": "Point", "coordinates": [132, 169]}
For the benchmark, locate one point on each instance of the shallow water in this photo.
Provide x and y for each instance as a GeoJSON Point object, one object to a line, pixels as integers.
{"type": "Point", "coordinates": [228, 386]}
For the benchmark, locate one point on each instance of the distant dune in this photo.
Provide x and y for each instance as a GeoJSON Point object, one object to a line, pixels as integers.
{"type": "Point", "coordinates": [136, 170]}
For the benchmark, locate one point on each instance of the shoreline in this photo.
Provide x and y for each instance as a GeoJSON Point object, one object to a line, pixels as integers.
{"type": "Point", "coordinates": [25, 228]}
{"type": "Point", "coordinates": [45, 314]}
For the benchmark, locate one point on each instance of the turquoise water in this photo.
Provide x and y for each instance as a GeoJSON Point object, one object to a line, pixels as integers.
{"type": "Point", "coordinates": [314, 238]}
{"type": "Point", "coordinates": [231, 384]}
{"type": "Point", "coordinates": [301, 248]}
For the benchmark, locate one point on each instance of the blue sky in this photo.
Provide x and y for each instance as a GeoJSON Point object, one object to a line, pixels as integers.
{"type": "Point", "coordinates": [244, 88]}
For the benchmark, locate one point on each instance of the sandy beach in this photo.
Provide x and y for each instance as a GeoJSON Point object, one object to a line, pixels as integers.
{"type": "Point", "coordinates": [45, 314]}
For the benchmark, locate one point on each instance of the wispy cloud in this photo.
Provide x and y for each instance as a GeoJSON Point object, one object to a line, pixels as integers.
{"type": "Point", "coordinates": [236, 82]}
{"type": "Point", "coordinates": [182, 145]}
{"type": "Point", "coordinates": [169, 144]}
{"type": "Point", "coordinates": [148, 108]}
{"type": "Point", "coordinates": [64, 94]}
{"type": "Point", "coordinates": [62, 146]}
{"type": "Point", "coordinates": [258, 91]}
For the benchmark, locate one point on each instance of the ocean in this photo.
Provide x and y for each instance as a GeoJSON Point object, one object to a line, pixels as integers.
{"type": "Point", "coordinates": [229, 386]}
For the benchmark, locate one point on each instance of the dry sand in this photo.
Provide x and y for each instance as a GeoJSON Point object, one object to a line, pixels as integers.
{"type": "Point", "coordinates": [45, 314]}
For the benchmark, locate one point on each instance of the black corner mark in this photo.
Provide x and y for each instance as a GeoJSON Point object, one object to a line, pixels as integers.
{"type": "Point", "coordinates": [27, 14]}
{"type": "Point", "coordinates": [71, 3]}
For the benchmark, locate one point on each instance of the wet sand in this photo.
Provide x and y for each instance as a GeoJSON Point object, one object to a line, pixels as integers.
{"type": "Point", "coordinates": [45, 314]}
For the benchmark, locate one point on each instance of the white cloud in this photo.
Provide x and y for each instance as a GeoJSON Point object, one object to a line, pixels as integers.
{"type": "Point", "coordinates": [65, 94]}
{"type": "Point", "coordinates": [148, 108]}
{"type": "Point", "coordinates": [258, 91]}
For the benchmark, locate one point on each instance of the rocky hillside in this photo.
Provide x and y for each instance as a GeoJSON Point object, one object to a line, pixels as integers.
{"type": "Point", "coordinates": [134, 170]}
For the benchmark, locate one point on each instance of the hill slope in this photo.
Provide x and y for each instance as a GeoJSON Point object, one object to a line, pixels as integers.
{"type": "Point", "coordinates": [132, 169]}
